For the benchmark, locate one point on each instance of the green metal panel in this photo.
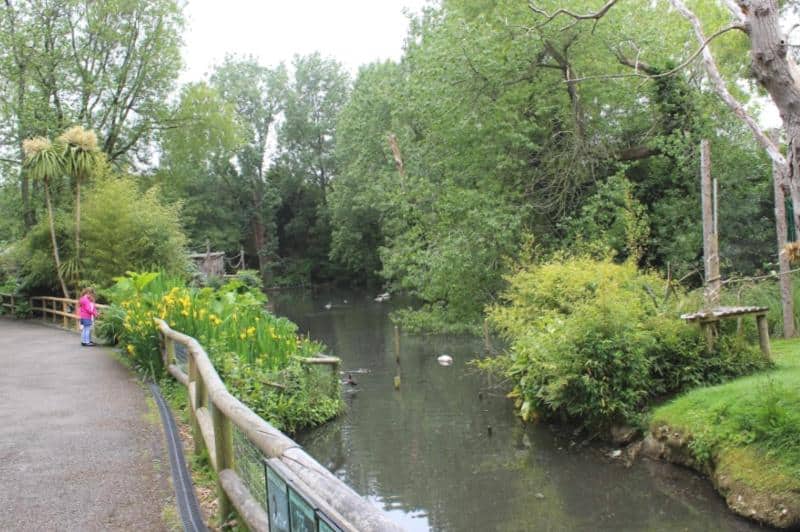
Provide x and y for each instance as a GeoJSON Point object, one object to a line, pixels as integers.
{"type": "Point", "coordinates": [301, 513]}
{"type": "Point", "coordinates": [324, 525]}
{"type": "Point", "coordinates": [277, 501]}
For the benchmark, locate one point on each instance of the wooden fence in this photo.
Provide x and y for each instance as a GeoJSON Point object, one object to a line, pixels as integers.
{"type": "Point", "coordinates": [8, 303]}
{"type": "Point", "coordinates": [59, 311]}
{"type": "Point", "coordinates": [292, 488]}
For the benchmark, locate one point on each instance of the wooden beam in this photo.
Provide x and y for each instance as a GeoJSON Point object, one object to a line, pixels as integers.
{"type": "Point", "coordinates": [251, 510]}
{"type": "Point", "coordinates": [713, 287]}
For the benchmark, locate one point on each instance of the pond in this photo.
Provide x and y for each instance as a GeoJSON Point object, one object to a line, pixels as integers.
{"type": "Point", "coordinates": [446, 452]}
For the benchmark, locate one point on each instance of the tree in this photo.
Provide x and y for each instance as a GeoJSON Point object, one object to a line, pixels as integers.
{"type": "Point", "coordinates": [196, 167]}
{"type": "Point", "coordinates": [44, 161]}
{"type": "Point", "coordinates": [107, 65]}
{"type": "Point", "coordinates": [257, 95]}
{"type": "Point", "coordinates": [80, 158]}
{"type": "Point", "coordinates": [307, 138]}
{"type": "Point", "coordinates": [360, 197]}
{"type": "Point", "coordinates": [306, 165]}
{"type": "Point", "coordinates": [775, 71]}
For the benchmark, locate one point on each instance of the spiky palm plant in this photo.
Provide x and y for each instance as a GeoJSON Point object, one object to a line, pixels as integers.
{"type": "Point", "coordinates": [80, 159]}
{"type": "Point", "coordinates": [44, 161]}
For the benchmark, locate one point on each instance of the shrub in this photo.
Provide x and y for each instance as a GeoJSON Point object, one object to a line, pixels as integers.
{"type": "Point", "coordinates": [257, 354]}
{"type": "Point", "coordinates": [593, 341]}
{"type": "Point", "coordinates": [123, 230]}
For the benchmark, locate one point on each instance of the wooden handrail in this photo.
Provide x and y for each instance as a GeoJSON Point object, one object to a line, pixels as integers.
{"type": "Point", "coordinates": [69, 320]}
{"type": "Point", "coordinates": [65, 300]}
{"type": "Point", "coordinates": [319, 486]}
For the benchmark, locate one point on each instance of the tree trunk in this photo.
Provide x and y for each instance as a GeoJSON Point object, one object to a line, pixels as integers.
{"type": "Point", "coordinates": [25, 193]}
{"type": "Point", "coordinates": [775, 71]}
{"type": "Point", "coordinates": [785, 281]}
{"type": "Point", "coordinates": [55, 243]}
{"type": "Point", "coordinates": [77, 229]}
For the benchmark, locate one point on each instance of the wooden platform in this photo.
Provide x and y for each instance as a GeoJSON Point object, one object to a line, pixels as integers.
{"type": "Point", "coordinates": [708, 319]}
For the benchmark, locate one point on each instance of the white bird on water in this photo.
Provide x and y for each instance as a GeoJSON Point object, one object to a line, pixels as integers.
{"type": "Point", "coordinates": [382, 297]}
{"type": "Point", "coordinates": [444, 360]}
{"type": "Point", "coordinates": [328, 306]}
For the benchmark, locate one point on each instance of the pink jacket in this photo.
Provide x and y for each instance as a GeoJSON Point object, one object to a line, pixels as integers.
{"type": "Point", "coordinates": [87, 308]}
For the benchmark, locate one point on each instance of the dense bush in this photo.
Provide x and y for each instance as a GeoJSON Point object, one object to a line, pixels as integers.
{"type": "Point", "coordinates": [257, 354]}
{"type": "Point", "coordinates": [593, 341]}
{"type": "Point", "coordinates": [121, 229]}
{"type": "Point", "coordinates": [125, 230]}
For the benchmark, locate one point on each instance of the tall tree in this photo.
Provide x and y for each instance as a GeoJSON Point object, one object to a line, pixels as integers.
{"type": "Point", "coordinates": [307, 138]}
{"type": "Point", "coordinates": [306, 165]}
{"type": "Point", "coordinates": [196, 167]}
{"type": "Point", "coordinates": [257, 95]}
{"type": "Point", "coordinates": [44, 162]}
{"type": "Point", "coordinates": [107, 65]}
{"type": "Point", "coordinates": [772, 65]}
{"type": "Point", "coordinates": [80, 159]}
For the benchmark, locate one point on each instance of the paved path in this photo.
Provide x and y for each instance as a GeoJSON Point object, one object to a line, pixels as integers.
{"type": "Point", "coordinates": [80, 448]}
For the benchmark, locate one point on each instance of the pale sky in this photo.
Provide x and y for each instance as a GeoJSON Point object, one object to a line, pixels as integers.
{"type": "Point", "coordinates": [354, 32]}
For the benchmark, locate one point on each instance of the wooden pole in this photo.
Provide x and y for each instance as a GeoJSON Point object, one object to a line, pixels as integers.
{"type": "Point", "coordinates": [223, 447]}
{"type": "Point", "coordinates": [487, 344]}
{"type": "Point", "coordinates": [785, 278]}
{"type": "Point", "coordinates": [763, 334]}
{"type": "Point", "coordinates": [713, 287]}
{"type": "Point", "coordinates": [196, 393]}
{"type": "Point", "coordinates": [397, 356]}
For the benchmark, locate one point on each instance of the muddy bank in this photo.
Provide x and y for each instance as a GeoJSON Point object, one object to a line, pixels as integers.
{"type": "Point", "coordinates": [778, 509]}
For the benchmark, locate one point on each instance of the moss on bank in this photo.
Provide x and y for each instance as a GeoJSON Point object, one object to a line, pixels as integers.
{"type": "Point", "coordinates": [745, 435]}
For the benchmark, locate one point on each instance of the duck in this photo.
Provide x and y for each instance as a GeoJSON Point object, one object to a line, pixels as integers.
{"type": "Point", "coordinates": [350, 380]}
{"type": "Point", "coordinates": [382, 297]}
{"type": "Point", "coordinates": [328, 306]}
{"type": "Point", "coordinates": [444, 360]}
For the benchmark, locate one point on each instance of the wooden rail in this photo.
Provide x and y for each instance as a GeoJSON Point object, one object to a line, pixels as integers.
{"type": "Point", "coordinates": [215, 412]}
{"type": "Point", "coordinates": [57, 310]}
{"type": "Point", "coordinates": [8, 302]}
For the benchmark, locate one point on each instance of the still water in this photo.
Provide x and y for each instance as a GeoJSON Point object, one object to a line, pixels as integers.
{"type": "Point", "coordinates": [425, 454]}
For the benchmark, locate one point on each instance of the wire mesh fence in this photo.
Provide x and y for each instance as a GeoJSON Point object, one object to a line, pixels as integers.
{"type": "Point", "coordinates": [249, 465]}
{"type": "Point", "coordinates": [181, 356]}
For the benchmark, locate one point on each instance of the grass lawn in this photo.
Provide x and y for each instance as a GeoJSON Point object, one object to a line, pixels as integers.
{"type": "Point", "coordinates": [749, 428]}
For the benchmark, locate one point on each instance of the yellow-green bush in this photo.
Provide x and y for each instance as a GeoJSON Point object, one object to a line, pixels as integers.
{"type": "Point", "coordinates": [592, 341]}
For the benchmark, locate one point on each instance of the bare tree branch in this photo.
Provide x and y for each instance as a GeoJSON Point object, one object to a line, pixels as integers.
{"type": "Point", "coordinates": [596, 16]}
{"type": "Point", "coordinates": [735, 10]}
{"type": "Point", "coordinates": [722, 91]}
{"type": "Point", "coordinates": [649, 71]}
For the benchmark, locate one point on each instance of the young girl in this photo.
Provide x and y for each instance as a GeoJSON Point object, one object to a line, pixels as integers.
{"type": "Point", "coordinates": [87, 313]}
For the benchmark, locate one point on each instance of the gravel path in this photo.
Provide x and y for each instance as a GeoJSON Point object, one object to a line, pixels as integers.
{"type": "Point", "coordinates": [80, 447]}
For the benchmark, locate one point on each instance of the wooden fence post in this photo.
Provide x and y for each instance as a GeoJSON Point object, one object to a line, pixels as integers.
{"type": "Point", "coordinates": [763, 334]}
{"type": "Point", "coordinates": [195, 403]}
{"type": "Point", "coordinates": [223, 447]}
{"type": "Point", "coordinates": [710, 230]}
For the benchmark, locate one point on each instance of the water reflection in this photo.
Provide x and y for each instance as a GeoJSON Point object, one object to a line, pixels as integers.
{"type": "Point", "coordinates": [426, 456]}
